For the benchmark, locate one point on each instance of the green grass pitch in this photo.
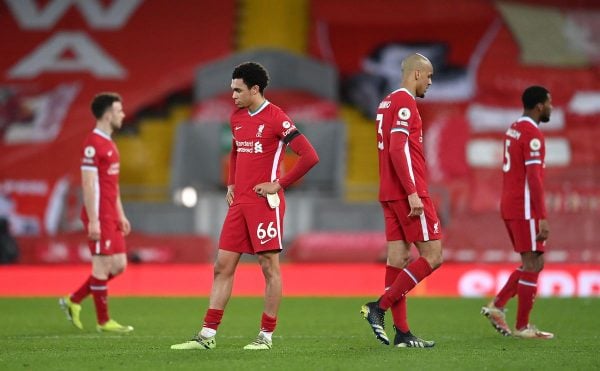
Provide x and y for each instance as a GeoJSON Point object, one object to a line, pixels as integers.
{"type": "Point", "coordinates": [312, 334]}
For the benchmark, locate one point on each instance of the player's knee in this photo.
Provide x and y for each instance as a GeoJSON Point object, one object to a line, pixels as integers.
{"type": "Point", "coordinates": [221, 269]}
{"type": "Point", "coordinates": [540, 265]}
{"type": "Point", "coordinates": [270, 269]}
{"type": "Point", "coordinates": [435, 259]}
{"type": "Point", "coordinates": [118, 270]}
{"type": "Point", "coordinates": [398, 261]}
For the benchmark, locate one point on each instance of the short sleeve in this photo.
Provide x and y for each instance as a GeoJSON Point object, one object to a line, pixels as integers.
{"type": "Point", "coordinates": [533, 144]}
{"type": "Point", "coordinates": [90, 157]}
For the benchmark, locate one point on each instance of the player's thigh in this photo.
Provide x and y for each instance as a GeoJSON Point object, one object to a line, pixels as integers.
{"type": "Point", "coordinates": [269, 263]}
{"type": "Point", "coordinates": [101, 266]}
{"type": "Point", "coordinates": [226, 262]}
{"type": "Point", "coordinates": [265, 226]}
{"type": "Point", "coordinates": [432, 252]}
{"type": "Point", "coordinates": [393, 225]}
{"type": "Point", "coordinates": [425, 227]}
{"type": "Point", "coordinates": [111, 240]}
{"type": "Point", "coordinates": [234, 234]}
{"type": "Point", "coordinates": [119, 263]}
{"type": "Point", "coordinates": [533, 261]}
{"type": "Point", "coordinates": [522, 234]}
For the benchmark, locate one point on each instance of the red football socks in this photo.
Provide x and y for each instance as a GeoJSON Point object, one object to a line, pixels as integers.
{"type": "Point", "coordinates": [268, 323]}
{"type": "Point", "coordinates": [414, 273]}
{"type": "Point", "coordinates": [509, 290]}
{"type": "Point", "coordinates": [212, 319]}
{"type": "Point", "coordinates": [399, 307]}
{"type": "Point", "coordinates": [82, 292]}
{"type": "Point", "coordinates": [100, 292]}
{"type": "Point", "coordinates": [526, 291]}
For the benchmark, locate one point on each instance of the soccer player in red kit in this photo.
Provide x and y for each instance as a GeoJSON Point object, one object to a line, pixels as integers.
{"type": "Point", "coordinates": [524, 213]}
{"type": "Point", "coordinates": [409, 213]}
{"type": "Point", "coordinates": [254, 223]}
{"type": "Point", "coordinates": [102, 214]}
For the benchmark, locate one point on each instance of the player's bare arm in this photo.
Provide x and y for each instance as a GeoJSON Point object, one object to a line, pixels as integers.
{"type": "Point", "coordinates": [416, 205]}
{"type": "Point", "coordinates": [229, 196]}
{"type": "Point", "coordinates": [544, 230]}
{"type": "Point", "coordinates": [124, 223]}
{"type": "Point", "coordinates": [88, 181]}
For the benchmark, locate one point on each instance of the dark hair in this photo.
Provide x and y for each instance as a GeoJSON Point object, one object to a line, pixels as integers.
{"type": "Point", "coordinates": [102, 102]}
{"type": "Point", "coordinates": [253, 74]}
{"type": "Point", "coordinates": [534, 95]}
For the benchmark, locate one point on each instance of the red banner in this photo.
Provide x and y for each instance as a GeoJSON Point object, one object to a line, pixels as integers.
{"type": "Point", "coordinates": [56, 55]}
{"type": "Point", "coordinates": [326, 280]}
{"type": "Point", "coordinates": [73, 248]}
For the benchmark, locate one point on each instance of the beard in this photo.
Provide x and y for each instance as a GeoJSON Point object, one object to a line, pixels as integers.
{"type": "Point", "coordinates": [545, 118]}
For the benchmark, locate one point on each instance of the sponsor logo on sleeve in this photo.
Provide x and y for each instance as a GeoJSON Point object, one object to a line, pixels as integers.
{"type": "Point", "coordinates": [385, 104]}
{"type": "Point", "coordinates": [513, 133]}
{"type": "Point", "coordinates": [113, 169]}
{"type": "Point", "coordinates": [286, 124]}
{"type": "Point", "coordinates": [535, 144]}
{"type": "Point", "coordinates": [404, 114]}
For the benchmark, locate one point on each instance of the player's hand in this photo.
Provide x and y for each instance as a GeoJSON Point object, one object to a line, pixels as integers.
{"type": "Point", "coordinates": [544, 230]}
{"type": "Point", "coordinates": [125, 226]}
{"type": "Point", "coordinates": [94, 230]}
{"type": "Point", "coordinates": [263, 189]}
{"type": "Point", "coordinates": [229, 196]}
{"type": "Point", "coordinates": [416, 205]}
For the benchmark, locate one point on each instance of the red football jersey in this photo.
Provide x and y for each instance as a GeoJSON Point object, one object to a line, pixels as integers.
{"type": "Point", "coordinates": [398, 115]}
{"type": "Point", "coordinates": [523, 146]}
{"type": "Point", "coordinates": [259, 141]}
{"type": "Point", "coordinates": [100, 154]}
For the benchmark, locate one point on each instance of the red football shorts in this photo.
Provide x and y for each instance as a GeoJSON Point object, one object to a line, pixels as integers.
{"type": "Point", "coordinates": [111, 240]}
{"type": "Point", "coordinates": [522, 235]}
{"type": "Point", "coordinates": [400, 227]}
{"type": "Point", "coordinates": [253, 228]}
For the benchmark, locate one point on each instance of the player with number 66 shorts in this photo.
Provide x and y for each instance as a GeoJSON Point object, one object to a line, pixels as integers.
{"type": "Point", "coordinates": [260, 133]}
{"type": "Point", "coordinates": [253, 228]}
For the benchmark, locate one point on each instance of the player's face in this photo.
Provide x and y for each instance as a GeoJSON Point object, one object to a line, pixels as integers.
{"type": "Point", "coordinates": [116, 115]}
{"type": "Point", "coordinates": [424, 76]}
{"type": "Point", "coordinates": [546, 110]}
{"type": "Point", "coordinates": [242, 95]}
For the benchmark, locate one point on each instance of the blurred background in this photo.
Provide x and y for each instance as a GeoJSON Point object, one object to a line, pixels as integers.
{"type": "Point", "coordinates": [330, 62]}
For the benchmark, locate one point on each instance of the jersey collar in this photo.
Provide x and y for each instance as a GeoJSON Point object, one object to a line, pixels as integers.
{"type": "Point", "coordinates": [262, 106]}
{"type": "Point", "coordinates": [406, 91]}
{"type": "Point", "coordinates": [102, 134]}
{"type": "Point", "coordinates": [528, 119]}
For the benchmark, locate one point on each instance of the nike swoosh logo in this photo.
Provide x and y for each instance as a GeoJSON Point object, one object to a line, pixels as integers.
{"type": "Point", "coordinates": [262, 242]}
{"type": "Point", "coordinates": [237, 128]}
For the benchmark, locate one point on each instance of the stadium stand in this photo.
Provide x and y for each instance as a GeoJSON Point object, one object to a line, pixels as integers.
{"type": "Point", "coordinates": [328, 67]}
{"type": "Point", "coordinates": [311, 83]}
